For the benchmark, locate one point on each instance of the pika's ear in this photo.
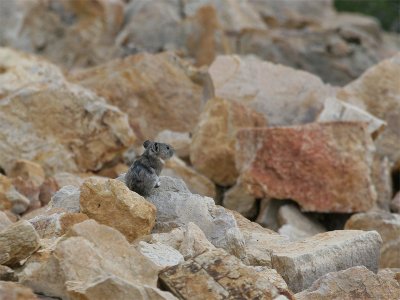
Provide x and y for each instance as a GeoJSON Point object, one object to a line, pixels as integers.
{"type": "Point", "coordinates": [146, 144]}
{"type": "Point", "coordinates": [155, 147]}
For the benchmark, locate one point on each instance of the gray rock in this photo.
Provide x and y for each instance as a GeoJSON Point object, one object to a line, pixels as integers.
{"type": "Point", "coordinates": [160, 254]}
{"type": "Point", "coordinates": [67, 197]}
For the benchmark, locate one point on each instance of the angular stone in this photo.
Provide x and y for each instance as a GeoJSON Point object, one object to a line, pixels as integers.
{"type": "Point", "coordinates": [27, 170]}
{"type": "Point", "coordinates": [7, 274]}
{"type": "Point", "coordinates": [376, 92]}
{"type": "Point", "coordinates": [212, 151]}
{"type": "Point", "coordinates": [10, 198]}
{"type": "Point", "coordinates": [80, 132]}
{"type": "Point", "coordinates": [194, 242]}
{"type": "Point", "coordinates": [268, 214]}
{"type": "Point", "coordinates": [301, 263]}
{"type": "Point", "coordinates": [161, 255]}
{"type": "Point", "coordinates": [141, 86]}
{"type": "Point", "coordinates": [111, 203]}
{"type": "Point", "coordinates": [325, 167]}
{"type": "Point", "coordinates": [388, 226]}
{"type": "Point", "coordinates": [283, 95]}
{"type": "Point", "coordinates": [114, 171]}
{"type": "Point", "coordinates": [65, 178]}
{"type": "Point", "coordinates": [196, 182]}
{"type": "Point", "coordinates": [382, 179]}
{"type": "Point", "coordinates": [180, 140]}
{"type": "Point", "coordinates": [67, 198]}
{"type": "Point", "coordinates": [4, 221]}
{"type": "Point", "coordinates": [17, 242]}
{"type": "Point", "coordinates": [353, 283]}
{"type": "Point", "coordinates": [15, 291]}
{"type": "Point", "coordinates": [47, 190]}
{"type": "Point", "coordinates": [238, 199]}
{"type": "Point", "coordinates": [217, 275]}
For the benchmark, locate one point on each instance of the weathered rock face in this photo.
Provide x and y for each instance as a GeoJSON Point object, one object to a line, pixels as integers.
{"type": "Point", "coordinates": [196, 182]}
{"type": "Point", "coordinates": [325, 167]}
{"type": "Point", "coordinates": [161, 255]}
{"type": "Point", "coordinates": [353, 283]}
{"type": "Point", "coordinates": [110, 202]}
{"type": "Point", "coordinates": [158, 92]}
{"type": "Point", "coordinates": [17, 242]}
{"type": "Point", "coordinates": [70, 33]}
{"type": "Point", "coordinates": [377, 92]}
{"type": "Point", "coordinates": [216, 275]}
{"type": "Point", "coordinates": [15, 291]}
{"type": "Point", "coordinates": [301, 263]}
{"type": "Point", "coordinates": [89, 251]}
{"type": "Point", "coordinates": [283, 95]}
{"type": "Point", "coordinates": [10, 198]}
{"type": "Point", "coordinates": [212, 151]}
{"type": "Point", "coordinates": [237, 198]}
{"type": "Point", "coordinates": [388, 226]}
{"type": "Point", "coordinates": [66, 198]}
{"type": "Point", "coordinates": [4, 221]}
{"type": "Point", "coordinates": [80, 131]}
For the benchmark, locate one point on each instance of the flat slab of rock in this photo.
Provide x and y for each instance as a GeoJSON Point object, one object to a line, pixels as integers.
{"type": "Point", "coordinates": [301, 263]}
{"type": "Point", "coordinates": [110, 202]}
{"type": "Point", "coordinates": [325, 167]}
{"type": "Point", "coordinates": [217, 275]}
{"type": "Point", "coordinates": [388, 226]}
{"type": "Point", "coordinates": [353, 283]}
{"type": "Point", "coordinates": [66, 198]}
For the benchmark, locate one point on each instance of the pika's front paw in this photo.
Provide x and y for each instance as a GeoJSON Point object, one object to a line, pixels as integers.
{"type": "Point", "coordinates": [157, 184]}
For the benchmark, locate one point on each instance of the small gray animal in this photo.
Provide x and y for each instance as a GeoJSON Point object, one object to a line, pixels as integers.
{"type": "Point", "coordinates": [142, 175]}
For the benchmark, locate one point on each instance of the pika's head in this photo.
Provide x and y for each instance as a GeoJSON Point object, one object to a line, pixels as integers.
{"type": "Point", "coordinates": [161, 150]}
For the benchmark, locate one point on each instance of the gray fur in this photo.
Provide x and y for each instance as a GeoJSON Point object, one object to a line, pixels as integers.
{"type": "Point", "coordinates": [142, 175]}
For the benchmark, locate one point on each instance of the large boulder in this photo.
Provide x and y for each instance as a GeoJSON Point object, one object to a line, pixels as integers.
{"type": "Point", "coordinates": [325, 167]}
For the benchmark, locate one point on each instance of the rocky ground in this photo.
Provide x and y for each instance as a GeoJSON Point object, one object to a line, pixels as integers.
{"type": "Point", "coordinates": [285, 119]}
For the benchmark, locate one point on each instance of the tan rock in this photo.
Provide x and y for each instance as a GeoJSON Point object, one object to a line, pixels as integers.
{"type": "Point", "coordinates": [179, 140]}
{"type": "Point", "coordinates": [28, 189]}
{"type": "Point", "coordinates": [4, 221]}
{"type": "Point", "coordinates": [70, 33]}
{"type": "Point", "coordinates": [47, 190]}
{"type": "Point", "coordinates": [382, 179]}
{"type": "Point", "coordinates": [301, 263]}
{"type": "Point", "coordinates": [353, 283]}
{"type": "Point", "coordinates": [114, 171]}
{"type": "Point", "coordinates": [110, 202]}
{"type": "Point", "coordinates": [388, 226]}
{"type": "Point", "coordinates": [268, 213]}
{"type": "Point", "coordinates": [80, 132]}
{"type": "Point", "coordinates": [17, 242]}
{"type": "Point", "coordinates": [15, 291]}
{"type": "Point", "coordinates": [325, 167]}
{"type": "Point", "coordinates": [366, 93]}
{"type": "Point", "coordinates": [283, 95]}
{"type": "Point", "coordinates": [66, 198]}
{"type": "Point", "coordinates": [196, 182]}
{"type": "Point", "coordinates": [194, 242]}
{"type": "Point", "coordinates": [212, 151]}
{"type": "Point", "coordinates": [238, 199]}
{"type": "Point", "coordinates": [65, 178]}
{"type": "Point", "coordinates": [217, 275]}
{"type": "Point", "coordinates": [27, 170]}
{"type": "Point", "coordinates": [141, 86]}
{"type": "Point", "coordinates": [10, 198]}
{"type": "Point", "coordinates": [395, 204]}
{"type": "Point", "coordinates": [161, 255]}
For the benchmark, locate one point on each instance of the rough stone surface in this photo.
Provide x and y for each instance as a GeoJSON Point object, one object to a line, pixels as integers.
{"type": "Point", "coordinates": [388, 226]}
{"type": "Point", "coordinates": [301, 263]}
{"type": "Point", "coordinates": [196, 182]}
{"type": "Point", "coordinates": [194, 242]}
{"type": "Point", "coordinates": [238, 199]}
{"type": "Point", "coordinates": [325, 167]}
{"type": "Point", "coordinates": [180, 140]}
{"type": "Point", "coordinates": [212, 151]}
{"type": "Point", "coordinates": [217, 275]}
{"type": "Point", "coordinates": [376, 91]}
{"type": "Point", "coordinates": [7, 274]}
{"type": "Point", "coordinates": [382, 179]}
{"type": "Point", "coordinates": [111, 203]}
{"type": "Point", "coordinates": [283, 95]}
{"type": "Point", "coordinates": [395, 204]}
{"type": "Point", "coordinates": [158, 92]}
{"type": "Point", "coordinates": [4, 221]}
{"type": "Point", "coordinates": [65, 178]}
{"type": "Point", "coordinates": [80, 131]}
{"type": "Point", "coordinates": [161, 255]}
{"type": "Point", "coordinates": [27, 170]}
{"type": "Point", "coordinates": [17, 242]}
{"type": "Point", "coordinates": [15, 291]}
{"type": "Point", "coordinates": [268, 213]}
{"type": "Point", "coordinates": [47, 190]}
{"type": "Point", "coordinates": [353, 283]}
{"type": "Point", "coordinates": [67, 198]}
{"type": "Point", "coordinates": [10, 198]}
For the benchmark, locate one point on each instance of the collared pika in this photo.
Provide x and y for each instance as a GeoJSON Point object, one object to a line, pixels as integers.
{"type": "Point", "coordinates": [142, 175]}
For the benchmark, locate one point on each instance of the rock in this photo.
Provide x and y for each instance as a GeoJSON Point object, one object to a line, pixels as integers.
{"type": "Point", "coordinates": [67, 198]}
{"type": "Point", "coordinates": [28, 171]}
{"type": "Point", "coordinates": [15, 291]}
{"type": "Point", "coordinates": [296, 225]}
{"type": "Point", "coordinates": [141, 86]}
{"type": "Point", "coordinates": [301, 263]}
{"type": "Point", "coordinates": [194, 242]}
{"type": "Point", "coordinates": [283, 95]}
{"type": "Point", "coordinates": [196, 182]}
{"type": "Point", "coordinates": [275, 279]}
{"type": "Point", "coordinates": [80, 132]}
{"type": "Point", "coordinates": [28, 189]}
{"type": "Point", "coordinates": [395, 204]}
{"type": "Point", "coordinates": [47, 190]}
{"type": "Point", "coordinates": [17, 242]}
{"type": "Point", "coordinates": [176, 207]}
{"type": "Point", "coordinates": [65, 178]}
{"type": "Point", "coordinates": [112, 287]}
{"type": "Point", "coordinates": [366, 93]}
{"type": "Point", "coordinates": [7, 274]}
{"type": "Point", "coordinates": [4, 221]}
{"type": "Point", "coordinates": [382, 179]}
{"type": "Point", "coordinates": [238, 199]}
{"type": "Point", "coordinates": [268, 213]}
{"type": "Point", "coordinates": [110, 202]}
{"type": "Point", "coordinates": [88, 252]}
{"type": "Point", "coordinates": [179, 140]}
{"type": "Point", "coordinates": [217, 275]}
{"type": "Point", "coordinates": [388, 226]}
{"type": "Point", "coordinates": [114, 171]}
{"type": "Point", "coordinates": [353, 283]}
{"type": "Point", "coordinates": [324, 167]}
{"type": "Point", "coordinates": [336, 110]}
{"type": "Point", "coordinates": [73, 34]}
{"type": "Point", "coordinates": [55, 223]}
{"type": "Point", "coordinates": [10, 198]}
{"type": "Point", "coordinates": [161, 255]}
{"type": "Point", "coordinates": [213, 141]}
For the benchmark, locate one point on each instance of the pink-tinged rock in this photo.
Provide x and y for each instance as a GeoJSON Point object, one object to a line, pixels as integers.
{"type": "Point", "coordinates": [325, 167]}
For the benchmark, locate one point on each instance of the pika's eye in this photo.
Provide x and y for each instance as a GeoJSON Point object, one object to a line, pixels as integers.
{"type": "Point", "coordinates": [167, 148]}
